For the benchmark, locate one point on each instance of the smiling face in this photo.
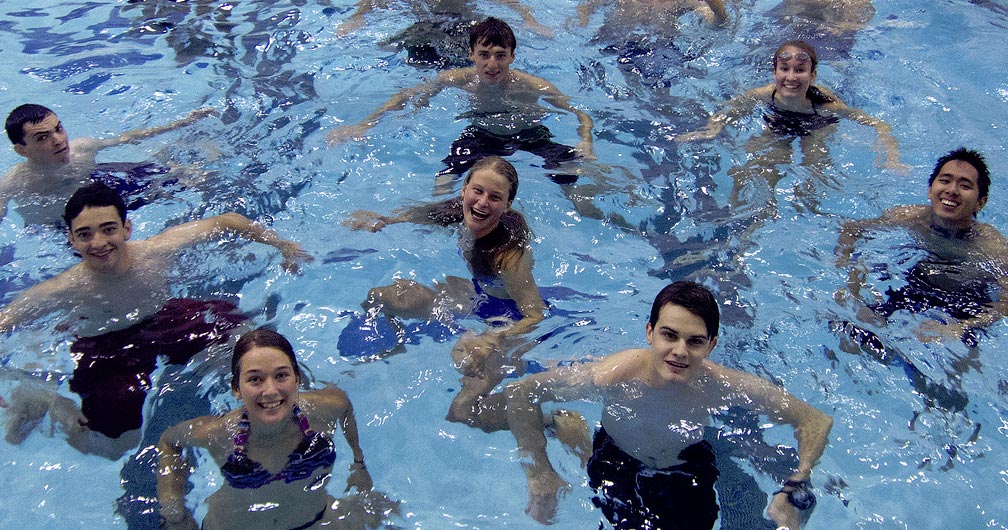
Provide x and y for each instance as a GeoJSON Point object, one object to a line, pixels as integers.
{"type": "Point", "coordinates": [955, 195]}
{"type": "Point", "coordinates": [99, 235]}
{"type": "Point", "coordinates": [679, 344]}
{"type": "Point", "coordinates": [484, 200]}
{"type": "Point", "coordinates": [492, 63]}
{"type": "Point", "coordinates": [793, 75]}
{"type": "Point", "coordinates": [45, 142]}
{"type": "Point", "coordinates": [267, 385]}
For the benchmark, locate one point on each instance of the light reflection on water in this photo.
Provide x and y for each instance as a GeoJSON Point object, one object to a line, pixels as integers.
{"type": "Point", "coordinates": [282, 80]}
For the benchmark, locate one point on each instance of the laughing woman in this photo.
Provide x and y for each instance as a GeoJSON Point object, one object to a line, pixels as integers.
{"type": "Point", "coordinates": [494, 241]}
{"type": "Point", "coordinates": [276, 452]}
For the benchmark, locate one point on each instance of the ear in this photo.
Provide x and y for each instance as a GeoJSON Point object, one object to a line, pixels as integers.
{"type": "Point", "coordinates": [713, 344]}
{"type": "Point", "coordinates": [648, 332]}
{"type": "Point", "coordinates": [128, 228]}
{"type": "Point", "coordinates": [236, 394]}
{"type": "Point", "coordinates": [981, 203]}
{"type": "Point", "coordinates": [20, 149]}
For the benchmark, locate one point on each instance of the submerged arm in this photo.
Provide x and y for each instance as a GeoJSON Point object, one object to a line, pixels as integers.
{"type": "Point", "coordinates": [887, 145]}
{"type": "Point", "coordinates": [421, 93]}
{"type": "Point", "coordinates": [733, 110]}
{"type": "Point", "coordinates": [553, 96]}
{"type": "Point", "coordinates": [189, 234]}
{"type": "Point", "coordinates": [356, 20]}
{"type": "Point", "coordinates": [337, 401]}
{"type": "Point", "coordinates": [173, 474]}
{"type": "Point", "coordinates": [527, 17]}
{"type": "Point", "coordinates": [444, 213]}
{"type": "Point", "coordinates": [143, 134]}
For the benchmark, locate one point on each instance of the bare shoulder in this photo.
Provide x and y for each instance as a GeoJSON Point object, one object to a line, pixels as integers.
{"type": "Point", "coordinates": [204, 431]}
{"type": "Point", "coordinates": [909, 213]}
{"type": "Point", "coordinates": [526, 81]}
{"type": "Point", "coordinates": [326, 405]}
{"type": "Point", "coordinates": [457, 77]}
{"type": "Point", "coordinates": [619, 367]}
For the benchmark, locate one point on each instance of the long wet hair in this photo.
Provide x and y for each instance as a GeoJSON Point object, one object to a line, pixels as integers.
{"type": "Point", "coordinates": [262, 338]}
{"type": "Point", "coordinates": [490, 251]}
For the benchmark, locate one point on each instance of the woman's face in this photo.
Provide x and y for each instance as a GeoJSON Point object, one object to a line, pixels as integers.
{"type": "Point", "coordinates": [267, 385]}
{"type": "Point", "coordinates": [793, 74]}
{"type": "Point", "coordinates": [484, 200]}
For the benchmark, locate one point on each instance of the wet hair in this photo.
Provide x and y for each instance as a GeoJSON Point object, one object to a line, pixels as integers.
{"type": "Point", "coordinates": [95, 195]}
{"type": "Point", "coordinates": [262, 338]}
{"type": "Point", "coordinates": [802, 45]}
{"type": "Point", "coordinates": [693, 297]}
{"type": "Point", "coordinates": [492, 32]}
{"type": "Point", "coordinates": [501, 167]}
{"type": "Point", "coordinates": [972, 158]}
{"type": "Point", "coordinates": [27, 113]}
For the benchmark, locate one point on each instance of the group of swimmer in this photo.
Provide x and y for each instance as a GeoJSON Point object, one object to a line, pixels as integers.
{"type": "Point", "coordinates": [647, 464]}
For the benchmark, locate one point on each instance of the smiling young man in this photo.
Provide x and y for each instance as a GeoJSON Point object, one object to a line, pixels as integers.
{"type": "Point", "coordinates": [650, 467]}
{"type": "Point", "coordinates": [505, 111]}
{"type": "Point", "coordinates": [965, 259]}
{"type": "Point", "coordinates": [55, 166]}
{"type": "Point", "coordinates": [117, 302]}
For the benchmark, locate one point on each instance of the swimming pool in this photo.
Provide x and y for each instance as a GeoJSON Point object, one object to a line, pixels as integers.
{"type": "Point", "coordinates": [282, 79]}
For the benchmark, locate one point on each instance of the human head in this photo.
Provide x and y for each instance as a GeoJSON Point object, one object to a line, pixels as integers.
{"type": "Point", "coordinates": [972, 158]}
{"type": "Point", "coordinates": [692, 296]}
{"type": "Point", "coordinates": [501, 167]}
{"type": "Point", "coordinates": [262, 338]}
{"type": "Point", "coordinates": [94, 195]}
{"type": "Point", "coordinates": [492, 32]}
{"type": "Point", "coordinates": [27, 113]}
{"type": "Point", "coordinates": [802, 47]}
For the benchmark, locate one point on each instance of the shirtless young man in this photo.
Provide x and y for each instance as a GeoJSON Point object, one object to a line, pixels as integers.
{"type": "Point", "coordinates": [117, 302]}
{"type": "Point", "coordinates": [966, 260]}
{"type": "Point", "coordinates": [505, 110]}
{"type": "Point", "coordinates": [55, 166]}
{"type": "Point", "coordinates": [650, 467]}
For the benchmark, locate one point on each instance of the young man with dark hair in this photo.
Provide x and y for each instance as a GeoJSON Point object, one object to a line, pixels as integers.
{"type": "Point", "coordinates": [650, 467]}
{"type": "Point", "coordinates": [505, 114]}
{"type": "Point", "coordinates": [55, 165]}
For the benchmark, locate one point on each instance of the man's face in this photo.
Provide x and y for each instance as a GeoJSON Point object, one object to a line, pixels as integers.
{"type": "Point", "coordinates": [45, 142]}
{"type": "Point", "coordinates": [679, 344]}
{"type": "Point", "coordinates": [492, 62]}
{"type": "Point", "coordinates": [99, 236]}
{"type": "Point", "coordinates": [955, 194]}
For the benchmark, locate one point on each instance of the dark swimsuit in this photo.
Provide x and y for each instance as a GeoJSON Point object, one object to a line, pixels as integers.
{"type": "Point", "coordinates": [793, 123]}
{"type": "Point", "coordinates": [315, 451]}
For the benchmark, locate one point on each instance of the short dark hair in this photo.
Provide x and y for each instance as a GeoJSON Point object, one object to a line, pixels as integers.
{"type": "Point", "coordinates": [971, 157]}
{"type": "Point", "coordinates": [27, 113]}
{"type": "Point", "coordinates": [263, 338]}
{"type": "Point", "coordinates": [492, 32]}
{"type": "Point", "coordinates": [693, 297]}
{"type": "Point", "coordinates": [94, 195]}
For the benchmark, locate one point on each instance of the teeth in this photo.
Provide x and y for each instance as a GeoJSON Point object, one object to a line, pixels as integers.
{"type": "Point", "coordinates": [271, 406]}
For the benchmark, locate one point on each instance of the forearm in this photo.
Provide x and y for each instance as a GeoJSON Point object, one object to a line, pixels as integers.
{"type": "Point", "coordinates": [812, 435]}
{"type": "Point", "coordinates": [173, 473]}
{"type": "Point", "coordinates": [143, 134]}
{"type": "Point", "coordinates": [243, 227]}
{"type": "Point", "coordinates": [525, 420]}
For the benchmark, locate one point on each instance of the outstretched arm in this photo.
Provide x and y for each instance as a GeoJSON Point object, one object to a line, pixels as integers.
{"type": "Point", "coordinates": [527, 17]}
{"type": "Point", "coordinates": [733, 111]}
{"type": "Point", "coordinates": [189, 234]}
{"type": "Point", "coordinates": [173, 474]}
{"type": "Point", "coordinates": [886, 145]}
{"type": "Point", "coordinates": [552, 95]}
{"type": "Point", "coordinates": [337, 403]}
{"type": "Point", "coordinates": [356, 20]}
{"type": "Point", "coordinates": [525, 419]}
{"type": "Point", "coordinates": [444, 213]}
{"type": "Point", "coordinates": [143, 134]}
{"type": "Point", "coordinates": [420, 94]}
{"type": "Point", "coordinates": [811, 427]}
{"type": "Point", "coordinates": [586, 9]}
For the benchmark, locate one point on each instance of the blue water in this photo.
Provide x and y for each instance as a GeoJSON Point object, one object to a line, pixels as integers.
{"type": "Point", "coordinates": [282, 79]}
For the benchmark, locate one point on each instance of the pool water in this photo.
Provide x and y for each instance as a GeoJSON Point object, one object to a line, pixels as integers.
{"type": "Point", "coordinates": [282, 79]}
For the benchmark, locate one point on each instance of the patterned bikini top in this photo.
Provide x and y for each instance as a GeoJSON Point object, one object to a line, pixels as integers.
{"type": "Point", "coordinates": [315, 451]}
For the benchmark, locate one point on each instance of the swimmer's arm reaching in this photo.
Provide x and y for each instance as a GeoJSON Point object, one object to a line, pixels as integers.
{"type": "Point", "coordinates": [420, 94]}
{"type": "Point", "coordinates": [526, 422]}
{"type": "Point", "coordinates": [356, 20]}
{"type": "Point", "coordinates": [516, 273]}
{"type": "Point", "coordinates": [811, 427]}
{"type": "Point", "coordinates": [552, 95]}
{"type": "Point", "coordinates": [527, 17]}
{"type": "Point", "coordinates": [733, 111]}
{"type": "Point", "coordinates": [173, 474]}
{"type": "Point", "coordinates": [442, 213]}
{"type": "Point", "coordinates": [38, 300]}
{"type": "Point", "coordinates": [188, 234]}
{"type": "Point", "coordinates": [586, 9]}
{"type": "Point", "coordinates": [335, 402]}
{"type": "Point", "coordinates": [886, 145]}
{"type": "Point", "coordinates": [143, 134]}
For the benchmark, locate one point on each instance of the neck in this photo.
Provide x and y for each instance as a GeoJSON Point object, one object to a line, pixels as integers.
{"type": "Point", "coordinates": [951, 230]}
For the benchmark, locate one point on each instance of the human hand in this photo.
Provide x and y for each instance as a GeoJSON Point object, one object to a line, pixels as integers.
{"type": "Point", "coordinates": [544, 492]}
{"type": "Point", "coordinates": [783, 513]}
{"type": "Point", "coordinates": [293, 256]}
{"type": "Point", "coordinates": [365, 220]}
{"type": "Point", "coordinates": [359, 478]}
{"type": "Point", "coordinates": [346, 132]}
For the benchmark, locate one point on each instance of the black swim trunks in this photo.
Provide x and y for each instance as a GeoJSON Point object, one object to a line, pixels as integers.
{"type": "Point", "coordinates": [634, 496]}
{"type": "Point", "coordinates": [113, 370]}
{"type": "Point", "coordinates": [475, 143]}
